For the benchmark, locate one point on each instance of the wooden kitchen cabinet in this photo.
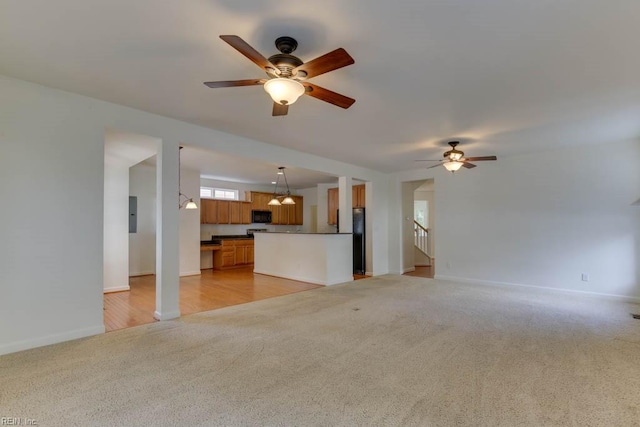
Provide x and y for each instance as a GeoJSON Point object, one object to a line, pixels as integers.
{"type": "Point", "coordinates": [357, 201]}
{"type": "Point", "coordinates": [223, 212]}
{"type": "Point", "coordinates": [288, 214]}
{"type": "Point", "coordinates": [208, 211]}
{"type": "Point", "coordinates": [234, 213]}
{"type": "Point", "coordinates": [250, 251]}
{"type": "Point", "coordinates": [234, 253]}
{"type": "Point", "coordinates": [259, 201]}
{"type": "Point", "coordinates": [298, 210]}
{"type": "Point", "coordinates": [245, 213]}
{"type": "Point", "coordinates": [280, 215]}
{"type": "Point", "coordinates": [275, 214]}
{"type": "Point", "coordinates": [225, 257]}
{"type": "Point", "coordinates": [358, 196]}
{"type": "Point", "coordinates": [332, 206]}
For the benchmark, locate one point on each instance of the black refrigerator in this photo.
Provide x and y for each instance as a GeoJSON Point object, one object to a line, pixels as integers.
{"type": "Point", "coordinates": [358, 240]}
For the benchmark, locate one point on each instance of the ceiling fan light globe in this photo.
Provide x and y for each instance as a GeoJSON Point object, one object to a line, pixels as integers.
{"type": "Point", "coordinates": [452, 165]}
{"type": "Point", "coordinates": [284, 91]}
{"type": "Point", "coordinates": [455, 156]}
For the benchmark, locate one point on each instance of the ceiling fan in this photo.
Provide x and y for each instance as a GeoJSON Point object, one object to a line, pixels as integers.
{"type": "Point", "coordinates": [287, 74]}
{"type": "Point", "coordinates": [454, 159]}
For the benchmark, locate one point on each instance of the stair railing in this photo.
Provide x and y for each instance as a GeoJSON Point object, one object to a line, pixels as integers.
{"type": "Point", "coordinates": [422, 238]}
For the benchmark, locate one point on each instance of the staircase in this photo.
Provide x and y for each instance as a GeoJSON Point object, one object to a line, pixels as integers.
{"type": "Point", "coordinates": [422, 242]}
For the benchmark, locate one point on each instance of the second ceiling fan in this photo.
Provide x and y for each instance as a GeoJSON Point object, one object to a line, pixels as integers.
{"type": "Point", "coordinates": [454, 159]}
{"type": "Point", "coordinates": [287, 74]}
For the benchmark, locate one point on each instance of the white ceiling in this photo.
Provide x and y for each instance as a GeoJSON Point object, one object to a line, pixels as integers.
{"type": "Point", "coordinates": [506, 77]}
{"type": "Point", "coordinates": [225, 167]}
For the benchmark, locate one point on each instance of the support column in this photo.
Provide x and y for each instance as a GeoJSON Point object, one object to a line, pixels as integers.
{"type": "Point", "coordinates": [167, 232]}
{"type": "Point", "coordinates": [345, 204]}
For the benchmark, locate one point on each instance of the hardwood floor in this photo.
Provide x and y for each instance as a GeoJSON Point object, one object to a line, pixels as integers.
{"type": "Point", "coordinates": [211, 290]}
{"type": "Point", "coordinates": [421, 272]}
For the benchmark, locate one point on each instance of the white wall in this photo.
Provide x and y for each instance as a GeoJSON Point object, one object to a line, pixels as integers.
{"type": "Point", "coordinates": [52, 168]}
{"type": "Point", "coordinates": [142, 244]}
{"type": "Point", "coordinates": [116, 224]}
{"type": "Point", "coordinates": [543, 219]}
{"type": "Point", "coordinates": [190, 224]}
{"type": "Point", "coordinates": [322, 204]}
{"type": "Point", "coordinates": [310, 197]}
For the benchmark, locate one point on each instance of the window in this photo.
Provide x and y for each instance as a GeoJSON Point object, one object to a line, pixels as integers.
{"type": "Point", "coordinates": [218, 193]}
{"type": "Point", "coordinates": [421, 212]}
{"type": "Point", "coordinates": [206, 193]}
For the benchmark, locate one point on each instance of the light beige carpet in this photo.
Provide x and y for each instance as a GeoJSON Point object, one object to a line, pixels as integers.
{"type": "Point", "coordinates": [389, 350]}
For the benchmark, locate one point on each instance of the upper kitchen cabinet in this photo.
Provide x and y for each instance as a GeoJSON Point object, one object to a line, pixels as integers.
{"type": "Point", "coordinates": [245, 213]}
{"type": "Point", "coordinates": [239, 212]}
{"type": "Point", "coordinates": [259, 200]}
{"type": "Point", "coordinates": [332, 206]}
{"type": "Point", "coordinates": [208, 211]}
{"type": "Point", "coordinates": [358, 192]}
{"type": "Point", "coordinates": [357, 201]}
{"type": "Point", "coordinates": [282, 214]}
{"type": "Point", "coordinates": [225, 212]}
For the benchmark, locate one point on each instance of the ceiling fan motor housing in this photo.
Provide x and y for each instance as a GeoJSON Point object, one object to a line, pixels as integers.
{"type": "Point", "coordinates": [285, 63]}
{"type": "Point", "coordinates": [453, 153]}
{"type": "Point", "coordinates": [284, 60]}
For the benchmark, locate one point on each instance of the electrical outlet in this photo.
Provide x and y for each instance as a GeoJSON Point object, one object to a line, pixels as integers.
{"type": "Point", "coordinates": [585, 277]}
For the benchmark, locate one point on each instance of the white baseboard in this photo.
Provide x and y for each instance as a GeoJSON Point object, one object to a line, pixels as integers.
{"type": "Point", "coordinates": [150, 273]}
{"type": "Point", "coordinates": [116, 289]}
{"type": "Point", "coordinates": [305, 279]}
{"type": "Point", "coordinates": [51, 339]}
{"type": "Point", "coordinates": [142, 273]}
{"type": "Point", "coordinates": [166, 315]}
{"type": "Point", "coordinates": [190, 273]}
{"type": "Point", "coordinates": [614, 297]}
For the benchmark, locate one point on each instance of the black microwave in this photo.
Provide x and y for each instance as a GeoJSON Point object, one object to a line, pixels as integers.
{"type": "Point", "coordinates": [261, 217]}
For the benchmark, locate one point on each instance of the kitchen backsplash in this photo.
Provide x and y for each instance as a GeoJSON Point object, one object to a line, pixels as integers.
{"type": "Point", "coordinates": [208, 230]}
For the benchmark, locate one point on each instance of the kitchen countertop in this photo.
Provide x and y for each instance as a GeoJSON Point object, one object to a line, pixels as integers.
{"type": "Point", "coordinates": [209, 247]}
{"type": "Point", "coordinates": [298, 232]}
{"type": "Point", "coordinates": [216, 240]}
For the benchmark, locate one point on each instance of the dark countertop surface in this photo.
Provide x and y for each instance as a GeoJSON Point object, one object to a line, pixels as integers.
{"type": "Point", "coordinates": [298, 232]}
{"type": "Point", "coordinates": [215, 240]}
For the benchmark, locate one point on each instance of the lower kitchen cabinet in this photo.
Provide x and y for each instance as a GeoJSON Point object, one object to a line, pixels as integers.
{"type": "Point", "coordinates": [234, 253]}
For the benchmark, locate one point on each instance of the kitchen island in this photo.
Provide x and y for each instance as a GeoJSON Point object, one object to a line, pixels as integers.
{"type": "Point", "coordinates": [320, 258]}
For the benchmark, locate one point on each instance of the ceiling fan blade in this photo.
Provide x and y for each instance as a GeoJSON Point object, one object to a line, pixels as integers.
{"type": "Point", "coordinates": [479, 159]}
{"type": "Point", "coordinates": [328, 96]}
{"type": "Point", "coordinates": [468, 165]}
{"type": "Point", "coordinates": [435, 166]}
{"type": "Point", "coordinates": [256, 57]}
{"type": "Point", "coordinates": [233, 83]}
{"type": "Point", "coordinates": [279, 109]}
{"type": "Point", "coordinates": [323, 64]}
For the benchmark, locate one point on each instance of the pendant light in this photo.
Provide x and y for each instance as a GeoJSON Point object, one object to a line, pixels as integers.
{"type": "Point", "coordinates": [288, 200]}
{"type": "Point", "coordinates": [188, 202]}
